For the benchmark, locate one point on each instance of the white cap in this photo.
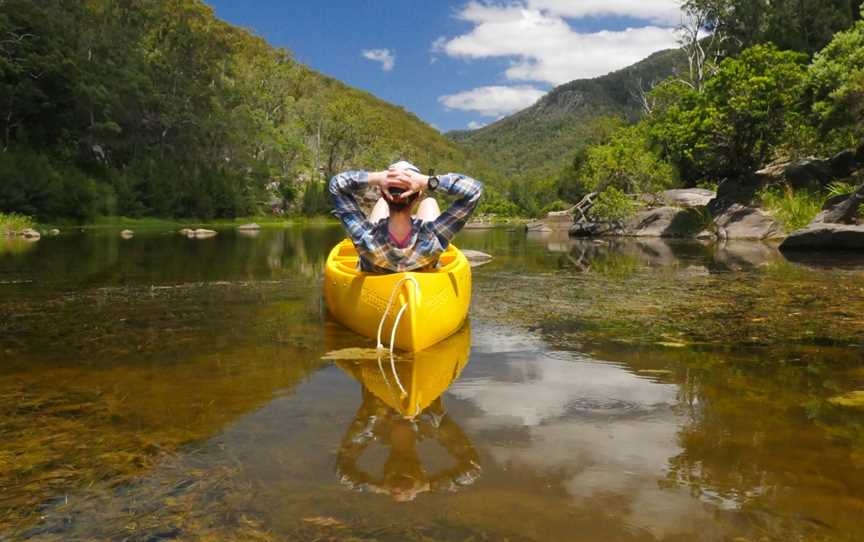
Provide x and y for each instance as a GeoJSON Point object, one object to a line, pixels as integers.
{"type": "Point", "coordinates": [402, 164]}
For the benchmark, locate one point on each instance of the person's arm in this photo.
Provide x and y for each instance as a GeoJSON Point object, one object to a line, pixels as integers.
{"type": "Point", "coordinates": [468, 192]}
{"type": "Point", "coordinates": [343, 188]}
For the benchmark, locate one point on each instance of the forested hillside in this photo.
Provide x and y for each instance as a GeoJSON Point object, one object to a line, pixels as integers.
{"type": "Point", "coordinates": [157, 108]}
{"type": "Point", "coordinates": [537, 141]}
{"type": "Point", "coordinates": [754, 82]}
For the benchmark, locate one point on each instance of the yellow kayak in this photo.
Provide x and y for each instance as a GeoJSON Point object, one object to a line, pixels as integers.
{"type": "Point", "coordinates": [429, 305]}
{"type": "Point", "coordinates": [425, 378]}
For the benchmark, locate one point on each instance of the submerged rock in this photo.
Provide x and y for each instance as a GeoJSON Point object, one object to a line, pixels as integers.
{"type": "Point", "coordinates": [249, 227]}
{"type": "Point", "coordinates": [127, 234]}
{"type": "Point", "coordinates": [477, 258]}
{"type": "Point", "coordinates": [54, 231]}
{"type": "Point", "coordinates": [202, 233]}
{"type": "Point", "coordinates": [826, 236]}
{"type": "Point", "coordinates": [186, 231]}
{"type": "Point", "coordinates": [853, 399]}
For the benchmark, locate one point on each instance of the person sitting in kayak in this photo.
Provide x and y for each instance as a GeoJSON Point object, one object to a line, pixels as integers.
{"type": "Point", "coordinates": [391, 239]}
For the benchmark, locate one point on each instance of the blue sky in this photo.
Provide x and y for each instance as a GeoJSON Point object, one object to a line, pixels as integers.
{"type": "Point", "coordinates": [459, 64]}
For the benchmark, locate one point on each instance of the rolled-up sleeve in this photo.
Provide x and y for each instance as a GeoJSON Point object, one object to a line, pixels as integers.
{"type": "Point", "coordinates": [467, 192]}
{"type": "Point", "coordinates": [343, 188]}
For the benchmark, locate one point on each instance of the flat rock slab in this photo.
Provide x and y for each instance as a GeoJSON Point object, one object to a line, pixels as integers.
{"type": "Point", "coordinates": [249, 227]}
{"type": "Point", "coordinates": [687, 197]}
{"type": "Point", "coordinates": [477, 258]}
{"type": "Point", "coordinates": [826, 237]}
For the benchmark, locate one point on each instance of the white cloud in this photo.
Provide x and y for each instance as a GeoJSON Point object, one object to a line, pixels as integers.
{"type": "Point", "coordinates": [666, 12]}
{"type": "Point", "coordinates": [474, 125]}
{"type": "Point", "coordinates": [544, 47]}
{"type": "Point", "coordinates": [385, 56]}
{"type": "Point", "coordinates": [493, 101]}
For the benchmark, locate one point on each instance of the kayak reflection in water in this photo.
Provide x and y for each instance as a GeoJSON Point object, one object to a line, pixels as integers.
{"type": "Point", "coordinates": [403, 476]}
{"type": "Point", "coordinates": [401, 408]}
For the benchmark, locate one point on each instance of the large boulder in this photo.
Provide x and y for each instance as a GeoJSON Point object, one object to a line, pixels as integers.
{"type": "Point", "coordinates": [826, 236]}
{"type": "Point", "coordinates": [30, 233]}
{"type": "Point", "coordinates": [741, 222]}
{"type": "Point", "coordinates": [687, 197]}
{"type": "Point", "coordinates": [654, 222]}
{"type": "Point", "coordinates": [738, 191]}
{"type": "Point", "coordinates": [672, 222]}
{"type": "Point", "coordinates": [809, 173]}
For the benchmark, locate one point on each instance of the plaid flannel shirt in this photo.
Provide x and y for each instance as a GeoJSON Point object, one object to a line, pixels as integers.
{"type": "Point", "coordinates": [428, 240]}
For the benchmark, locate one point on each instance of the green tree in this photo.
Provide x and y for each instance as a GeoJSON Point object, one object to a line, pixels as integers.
{"type": "Point", "coordinates": [834, 90]}
{"type": "Point", "coordinates": [800, 25]}
{"type": "Point", "coordinates": [734, 125]}
{"type": "Point", "coordinates": [628, 163]}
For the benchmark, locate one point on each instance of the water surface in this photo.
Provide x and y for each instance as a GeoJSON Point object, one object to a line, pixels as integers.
{"type": "Point", "coordinates": [161, 388]}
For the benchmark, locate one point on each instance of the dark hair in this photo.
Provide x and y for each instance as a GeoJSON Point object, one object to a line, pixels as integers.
{"type": "Point", "coordinates": [399, 205]}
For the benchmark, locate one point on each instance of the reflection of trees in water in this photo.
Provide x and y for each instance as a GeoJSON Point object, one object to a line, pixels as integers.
{"type": "Point", "coordinates": [762, 441]}
{"type": "Point", "coordinates": [105, 259]}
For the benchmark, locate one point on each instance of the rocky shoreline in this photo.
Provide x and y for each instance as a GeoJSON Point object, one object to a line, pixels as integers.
{"type": "Point", "coordinates": [731, 214]}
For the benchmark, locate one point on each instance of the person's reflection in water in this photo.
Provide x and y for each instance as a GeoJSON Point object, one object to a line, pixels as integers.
{"type": "Point", "coordinates": [403, 476]}
{"type": "Point", "coordinates": [401, 408]}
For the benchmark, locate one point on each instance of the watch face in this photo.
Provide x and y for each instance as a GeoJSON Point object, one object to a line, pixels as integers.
{"type": "Point", "coordinates": [433, 182]}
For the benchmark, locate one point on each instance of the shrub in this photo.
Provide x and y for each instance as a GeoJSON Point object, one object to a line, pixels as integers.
{"type": "Point", "coordinates": [626, 163]}
{"type": "Point", "coordinates": [795, 209]}
{"type": "Point", "coordinates": [613, 205]}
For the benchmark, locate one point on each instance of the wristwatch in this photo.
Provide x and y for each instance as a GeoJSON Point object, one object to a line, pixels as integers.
{"type": "Point", "coordinates": [432, 184]}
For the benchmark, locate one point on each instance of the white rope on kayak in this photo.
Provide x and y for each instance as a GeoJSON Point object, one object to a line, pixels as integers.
{"type": "Point", "coordinates": [392, 342]}
{"type": "Point", "coordinates": [400, 282]}
{"type": "Point", "coordinates": [380, 346]}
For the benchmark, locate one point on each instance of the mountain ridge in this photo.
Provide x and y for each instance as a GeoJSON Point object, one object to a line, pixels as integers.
{"type": "Point", "coordinates": [538, 140]}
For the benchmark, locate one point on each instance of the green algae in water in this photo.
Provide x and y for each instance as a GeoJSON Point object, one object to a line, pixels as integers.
{"type": "Point", "coordinates": [854, 399]}
{"type": "Point", "coordinates": [190, 400]}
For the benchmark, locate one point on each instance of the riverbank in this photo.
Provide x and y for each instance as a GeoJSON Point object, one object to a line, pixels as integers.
{"type": "Point", "coordinates": [162, 224]}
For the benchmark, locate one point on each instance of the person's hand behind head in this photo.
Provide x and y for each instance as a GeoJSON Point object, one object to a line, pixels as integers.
{"type": "Point", "coordinates": [396, 178]}
{"type": "Point", "coordinates": [417, 182]}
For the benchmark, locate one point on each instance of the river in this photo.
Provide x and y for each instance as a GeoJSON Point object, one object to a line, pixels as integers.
{"type": "Point", "coordinates": [163, 388]}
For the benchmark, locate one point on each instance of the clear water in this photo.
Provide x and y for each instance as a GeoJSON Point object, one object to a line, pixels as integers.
{"type": "Point", "coordinates": [161, 388]}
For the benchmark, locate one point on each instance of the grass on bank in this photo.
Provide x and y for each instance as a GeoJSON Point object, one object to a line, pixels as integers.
{"type": "Point", "coordinates": [794, 209]}
{"type": "Point", "coordinates": [11, 223]}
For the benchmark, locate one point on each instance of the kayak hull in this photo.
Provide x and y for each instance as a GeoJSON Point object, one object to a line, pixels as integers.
{"type": "Point", "coordinates": [431, 313]}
